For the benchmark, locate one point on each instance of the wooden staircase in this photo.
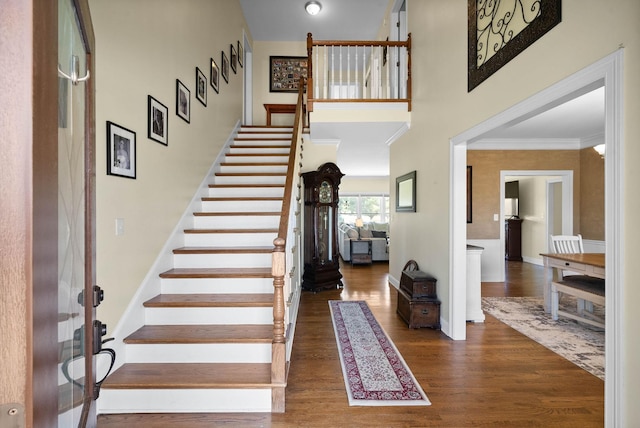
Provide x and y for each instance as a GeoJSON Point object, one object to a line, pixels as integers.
{"type": "Point", "coordinates": [206, 345]}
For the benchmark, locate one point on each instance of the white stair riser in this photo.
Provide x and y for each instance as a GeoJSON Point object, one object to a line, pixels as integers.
{"type": "Point", "coordinates": [184, 400]}
{"type": "Point", "coordinates": [233, 222]}
{"type": "Point", "coordinates": [182, 261]}
{"type": "Point", "coordinates": [216, 285]}
{"type": "Point", "coordinates": [253, 151]}
{"type": "Point", "coordinates": [209, 316]}
{"type": "Point", "coordinates": [235, 169]}
{"type": "Point", "coordinates": [279, 140]}
{"type": "Point", "coordinates": [256, 159]}
{"type": "Point", "coordinates": [199, 353]}
{"type": "Point", "coordinates": [245, 206]}
{"type": "Point", "coordinates": [246, 191]}
{"type": "Point", "coordinates": [249, 179]}
{"type": "Point", "coordinates": [229, 239]}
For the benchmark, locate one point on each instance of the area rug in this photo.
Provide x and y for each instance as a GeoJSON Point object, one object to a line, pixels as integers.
{"type": "Point", "coordinates": [375, 373]}
{"type": "Point", "coordinates": [579, 343]}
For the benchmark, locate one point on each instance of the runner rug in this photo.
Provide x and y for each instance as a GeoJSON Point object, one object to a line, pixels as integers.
{"type": "Point", "coordinates": [580, 343]}
{"type": "Point", "coordinates": [374, 372]}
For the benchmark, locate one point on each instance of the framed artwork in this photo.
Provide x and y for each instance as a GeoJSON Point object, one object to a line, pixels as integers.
{"type": "Point", "coordinates": [406, 192]}
{"type": "Point", "coordinates": [497, 35]}
{"type": "Point", "coordinates": [234, 58]}
{"type": "Point", "coordinates": [469, 199]}
{"type": "Point", "coordinates": [157, 121]}
{"type": "Point", "coordinates": [214, 76]}
{"type": "Point", "coordinates": [201, 87]}
{"type": "Point", "coordinates": [121, 151]}
{"type": "Point", "coordinates": [286, 73]}
{"type": "Point", "coordinates": [240, 54]}
{"type": "Point", "coordinates": [183, 101]}
{"type": "Point", "coordinates": [225, 67]}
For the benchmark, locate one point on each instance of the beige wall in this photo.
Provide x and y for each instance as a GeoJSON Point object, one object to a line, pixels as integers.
{"type": "Point", "coordinates": [442, 109]}
{"type": "Point", "coordinates": [591, 195]}
{"type": "Point", "coordinates": [486, 166]}
{"type": "Point", "coordinates": [142, 47]}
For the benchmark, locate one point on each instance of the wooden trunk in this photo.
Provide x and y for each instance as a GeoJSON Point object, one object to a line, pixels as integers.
{"type": "Point", "coordinates": [419, 313]}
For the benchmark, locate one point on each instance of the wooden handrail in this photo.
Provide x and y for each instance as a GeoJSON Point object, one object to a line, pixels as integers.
{"type": "Point", "coordinates": [279, 269]}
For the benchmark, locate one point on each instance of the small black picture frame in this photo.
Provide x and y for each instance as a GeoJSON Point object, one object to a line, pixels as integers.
{"type": "Point", "coordinates": [157, 121]}
{"type": "Point", "coordinates": [201, 86]}
{"type": "Point", "coordinates": [406, 192]}
{"type": "Point", "coordinates": [225, 67]}
{"type": "Point", "coordinates": [214, 76]}
{"type": "Point", "coordinates": [183, 101]}
{"type": "Point", "coordinates": [234, 58]}
{"type": "Point", "coordinates": [240, 54]}
{"type": "Point", "coordinates": [121, 151]}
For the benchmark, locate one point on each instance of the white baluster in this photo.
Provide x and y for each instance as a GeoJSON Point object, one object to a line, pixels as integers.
{"type": "Point", "coordinates": [355, 74]}
{"type": "Point", "coordinates": [325, 81]}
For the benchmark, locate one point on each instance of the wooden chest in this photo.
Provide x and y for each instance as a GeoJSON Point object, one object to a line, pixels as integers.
{"type": "Point", "coordinates": [419, 312]}
{"type": "Point", "coordinates": [418, 285]}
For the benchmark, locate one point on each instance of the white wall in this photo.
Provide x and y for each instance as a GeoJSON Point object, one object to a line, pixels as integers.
{"type": "Point", "coordinates": [442, 108]}
{"type": "Point", "coordinates": [142, 47]}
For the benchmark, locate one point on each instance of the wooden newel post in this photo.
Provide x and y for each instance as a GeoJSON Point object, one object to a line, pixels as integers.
{"type": "Point", "coordinates": [309, 72]}
{"type": "Point", "coordinates": [409, 70]}
{"type": "Point", "coordinates": [278, 272]}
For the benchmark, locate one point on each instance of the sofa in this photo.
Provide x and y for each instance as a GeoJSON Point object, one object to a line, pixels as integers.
{"type": "Point", "coordinates": [378, 233]}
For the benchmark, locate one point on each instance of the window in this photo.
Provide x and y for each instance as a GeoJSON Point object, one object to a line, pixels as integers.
{"type": "Point", "coordinates": [367, 207]}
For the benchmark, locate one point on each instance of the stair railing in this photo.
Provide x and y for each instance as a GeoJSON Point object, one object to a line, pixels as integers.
{"type": "Point", "coordinates": [358, 71]}
{"type": "Point", "coordinates": [286, 264]}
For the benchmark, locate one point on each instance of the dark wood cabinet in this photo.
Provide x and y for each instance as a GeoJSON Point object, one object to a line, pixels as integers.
{"type": "Point", "coordinates": [513, 239]}
{"type": "Point", "coordinates": [321, 260]}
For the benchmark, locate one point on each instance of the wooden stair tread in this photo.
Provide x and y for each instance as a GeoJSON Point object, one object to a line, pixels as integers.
{"type": "Point", "coordinates": [217, 273]}
{"type": "Point", "coordinates": [223, 250]}
{"type": "Point", "coordinates": [189, 376]}
{"type": "Point", "coordinates": [231, 231]}
{"type": "Point", "coordinates": [250, 174]}
{"type": "Point", "coordinates": [257, 154]}
{"type": "Point", "coordinates": [244, 185]}
{"type": "Point", "coordinates": [245, 333]}
{"type": "Point", "coordinates": [210, 300]}
{"type": "Point", "coordinates": [260, 146]}
{"type": "Point", "coordinates": [254, 164]}
{"type": "Point", "coordinates": [241, 198]}
{"type": "Point", "coordinates": [235, 214]}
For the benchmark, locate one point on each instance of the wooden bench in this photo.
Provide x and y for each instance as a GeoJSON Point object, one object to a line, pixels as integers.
{"type": "Point", "coordinates": [582, 287]}
{"type": "Point", "coordinates": [278, 108]}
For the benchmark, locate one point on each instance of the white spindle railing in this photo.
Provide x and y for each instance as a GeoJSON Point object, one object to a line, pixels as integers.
{"type": "Point", "coordinates": [358, 71]}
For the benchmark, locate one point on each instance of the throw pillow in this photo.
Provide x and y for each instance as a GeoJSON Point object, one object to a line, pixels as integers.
{"type": "Point", "coordinates": [365, 234]}
{"type": "Point", "coordinates": [352, 233]}
{"type": "Point", "coordinates": [379, 234]}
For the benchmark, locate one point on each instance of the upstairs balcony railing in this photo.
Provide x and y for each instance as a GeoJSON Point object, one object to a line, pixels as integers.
{"type": "Point", "coordinates": [358, 71]}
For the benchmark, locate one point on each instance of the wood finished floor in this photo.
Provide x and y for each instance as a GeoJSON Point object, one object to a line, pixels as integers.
{"type": "Point", "coordinates": [496, 378]}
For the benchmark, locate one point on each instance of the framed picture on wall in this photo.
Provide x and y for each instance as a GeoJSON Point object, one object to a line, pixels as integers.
{"type": "Point", "coordinates": [240, 54]}
{"type": "Point", "coordinates": [234, 58]}
{"type": "Point", "coordinates": [201, 86]}
{"type": "Point", "coordinates": [157, 121]}
{"type": "Point", "coordinates": [183, 101]}
{"type": "Point", "coordinates": [225, 67]}
{"type": "Point", "coordinates": [121, 151]}
{"type": "Point", "coordinates": [286, 73]}
{"type": "Point", "coordinates": [214, 76]}
{"type": "Point", "coordinates": [406, 192]}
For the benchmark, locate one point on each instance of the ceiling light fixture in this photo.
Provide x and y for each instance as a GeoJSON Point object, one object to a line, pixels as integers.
{"type": "Point", "coordinates": [313, 8]}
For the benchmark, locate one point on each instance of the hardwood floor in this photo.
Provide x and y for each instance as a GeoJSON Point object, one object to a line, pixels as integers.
{"type": "Point", "coordinates": [497, 377]}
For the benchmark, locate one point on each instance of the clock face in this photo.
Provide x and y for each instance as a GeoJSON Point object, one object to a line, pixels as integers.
{"type": "Point", "coordinates": [325, 193]}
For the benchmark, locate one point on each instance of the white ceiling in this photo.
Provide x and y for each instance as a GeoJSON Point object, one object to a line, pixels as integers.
{"type": "Point", "coordinates": [363, 151]}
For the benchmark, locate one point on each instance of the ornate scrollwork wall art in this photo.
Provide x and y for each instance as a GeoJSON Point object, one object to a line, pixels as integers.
{"type": "Point", "coordinates": [501, 29]}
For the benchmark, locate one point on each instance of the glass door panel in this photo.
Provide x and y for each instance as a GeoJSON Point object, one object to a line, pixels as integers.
{"type": "Point", "coordinates": [71, 217]}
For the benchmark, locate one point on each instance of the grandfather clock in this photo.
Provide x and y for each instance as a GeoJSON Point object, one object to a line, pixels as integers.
{"type": "Point", "coordinates": [321, 264]}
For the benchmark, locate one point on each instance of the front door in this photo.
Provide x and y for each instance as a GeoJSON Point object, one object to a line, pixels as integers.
{"type": "Point", "coordinates": [77, 295]}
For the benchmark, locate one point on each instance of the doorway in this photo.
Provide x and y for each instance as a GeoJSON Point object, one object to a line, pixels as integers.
{"type": "Point", "coordinates": [608, 73]}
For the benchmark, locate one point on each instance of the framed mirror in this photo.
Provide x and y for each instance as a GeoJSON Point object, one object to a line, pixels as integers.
{"type": "Point", "coordinates": [406, 192]}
